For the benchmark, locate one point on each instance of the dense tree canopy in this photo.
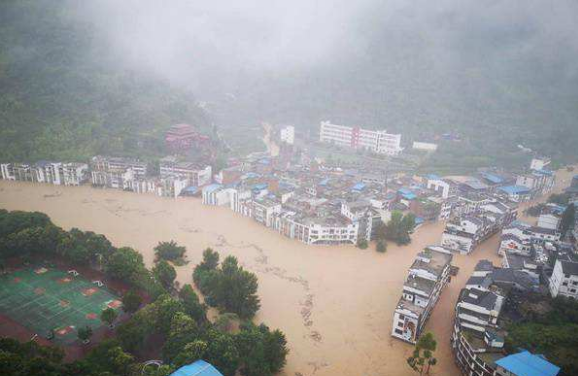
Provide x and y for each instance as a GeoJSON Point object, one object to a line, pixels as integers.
{"type": "Point", "coordinates": [65, 96]}
{"type": "Point", "coordinates": [228, 287]}
{"type": "Point", "coordinates": [176, 324]}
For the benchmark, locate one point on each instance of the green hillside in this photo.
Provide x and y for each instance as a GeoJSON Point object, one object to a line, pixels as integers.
{"type": "Point", "coordinates": [63, 97]}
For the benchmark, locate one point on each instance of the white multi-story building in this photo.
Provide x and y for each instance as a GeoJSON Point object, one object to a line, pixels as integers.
{"type": "Point", "coordinates": [564, 279]}
{"type": "Point", "coordinates": [287, 134]}
{"type": "Point", "coordinates": [56, 173]}
{"type": "Point", "coordinates": [428, 275]}
{"type": "Point", "coordinates": [216, 194]}
{"type": "Point", "coordinates": [379, 142]}
{"type": "Point", "coordinates": [316, 229]}
{"type": "Point", "coordinates": [101, 163]}
{"type": "Point", "coordinates": [195, 174]}
{"type": "Point", "coordinates": [539, 163]}
{"type": "Point", "coordinates": [363, 213]}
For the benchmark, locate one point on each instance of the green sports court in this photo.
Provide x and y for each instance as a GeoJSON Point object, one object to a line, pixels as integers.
{"type": "Point", "coordinates": [50, 301]}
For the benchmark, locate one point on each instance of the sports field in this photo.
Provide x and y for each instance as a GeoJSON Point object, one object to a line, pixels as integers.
{"type": "Point", "coordinates": [46, 300]}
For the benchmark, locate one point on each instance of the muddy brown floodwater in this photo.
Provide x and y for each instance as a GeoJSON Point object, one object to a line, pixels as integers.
{"type": "Point", "coordinates": [335, 304]}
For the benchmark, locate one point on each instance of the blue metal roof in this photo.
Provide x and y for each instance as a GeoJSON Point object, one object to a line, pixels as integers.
{"type": "Point", "coordinates": [544, 172]}
{"type": "Point", "coordinates": [324, 182]}
{"type": "Point", "coordinates": [528, 364]}
{"type": "Point", "coordinates": [432, 177]}
{"type": "Point", "coordinates": [514, 189]}
{"type": "Point", "coordinates": [211, 188]}
{"type": "Point", "coordinates": [259, 186]}
{"type": "Point", "coordinates": [198, 368]}
{"type": "Point", "coordinates": [492, 178]}
{"type": "Point", "coordinates": [358, 187]}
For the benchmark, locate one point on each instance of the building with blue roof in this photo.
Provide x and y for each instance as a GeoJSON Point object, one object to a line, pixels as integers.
{"type": "Point", "coordinates": [358, 187]}
{"type": "Point", "coordinates": [407, 194]}
{"type": "Point", "coordinates": [525, 364]}
{"type": "Point", "coordinates": [432, 177]}
{"type": "Point", "coordinates": [516, 193]}
{"type": "Point", "coordinates": [492, 178]}
{"type": "Point", "coordinates": [198, 368]}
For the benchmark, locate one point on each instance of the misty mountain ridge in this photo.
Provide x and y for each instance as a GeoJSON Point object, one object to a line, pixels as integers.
{"type": "Point", "coordinates": [80, 79]}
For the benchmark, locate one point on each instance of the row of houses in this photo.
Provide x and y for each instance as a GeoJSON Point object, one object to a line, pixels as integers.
{"type": "Point", "coordinates": [428, 275]}
{"type": "Point", "coordinates": [112, 172]}
{"type": "Point", "coordinates": [464, 232]}
{"type": "Point", "coordinates": [56, 173]}
{"type": "Point", "coordinates": [478, 337]}
{"type": "Point", "coordinates": [299, 216]}
{"type": "Point", "coordinates": [134, 175]}
{"type": "Point", "coordinates": [536, 181]}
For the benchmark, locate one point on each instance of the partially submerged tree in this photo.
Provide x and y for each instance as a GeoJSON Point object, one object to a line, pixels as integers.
{"type": "Point", "coordinates": [165, 274]}
{"type": "Point", "coordinates": [422, 358]}
{"type": "Point", "coordinates": [381, 246]}
{"type": "Point", "coordinates": [171, 251]}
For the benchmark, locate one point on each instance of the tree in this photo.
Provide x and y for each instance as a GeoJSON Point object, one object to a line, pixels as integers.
{"type": "Point", "coordinates": [108, 357]}
{"type": "Point", "coordinates": [362, 244]}
{"type": "Point", "coordinates": [568, 219]}
{"type": "Point", "coordinates": [192, 352]}
{"type": "Point", "coordinates": [559, 198]}
{"type": "Point", "coordinates": [398, 228]}
{"type": "Point", "coordinates": [125, 264]}
{"type": "Point", "coordinates": [422, 358]}
{"type": "Point", "coordinates": [108, 316]}
{"type": "Point", "coordinates": [222, 352]}
{"type": "Point", "coordinates": [192, 305]}
{"type": "Point", "coordinates": [84, 334]}
{"type": "Point", "coordinates": [233, 289]}
{"type": "Point", "coordinates": [210, 260]}
{"type": "Point", "coordinates": [381, 246]}
{"type": "Point", "coordinates": [131, 301]}
{"type": "Point", "coordinates": [205, 274]}
{"type": "Point", "coordinates": [165, 274]}
{"type": "Point", "coordinates": [262, 352]}
{"type": "Point", "coordinates": [183, 330]}
{"type": "Point", "coordinates": [163, 312]}
{"type": "Point", "coordinates": [133, 333]}
{"type": "Point", "coordinates": [170, 251]}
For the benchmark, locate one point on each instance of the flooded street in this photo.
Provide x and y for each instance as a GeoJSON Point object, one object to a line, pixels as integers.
{"type": "Point", "coordinates": [335, 304]}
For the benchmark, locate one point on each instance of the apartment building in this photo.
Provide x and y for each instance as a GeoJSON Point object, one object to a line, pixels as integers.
{"type": "Point", "coordinates": [56, 173]}
{"type": "Point", "coordinates": [379, 142]}
{"type": "Point", "coordinates": [477, 340]}
{"type": "Point", "coordinates": [363, 213]}
{"type": "Point", "coordinates": [463, 234]}
{"type": "Point", "coordinates": [114, 164]}
{"type": "Point", "coordinates": [196, 175]}
{"type": "Point", "coordinates": [427, 276]}
{"type": "Point", "coordinates": [287, 134]}
{"type": "Point", "coordinates": [564, 279]}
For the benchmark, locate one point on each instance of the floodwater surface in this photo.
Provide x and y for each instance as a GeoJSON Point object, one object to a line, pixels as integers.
{"type": "Point", "coordinates": [335, 304]}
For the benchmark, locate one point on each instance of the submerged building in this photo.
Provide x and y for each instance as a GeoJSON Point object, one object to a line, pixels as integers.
{"type": "Point", "coordinates": [427, 276]}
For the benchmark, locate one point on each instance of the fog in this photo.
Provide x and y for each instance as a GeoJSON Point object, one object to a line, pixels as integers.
{"type": "Point", "coordinates": [184, 40]}
{"type": "Point", "coordinates": [400, 64]}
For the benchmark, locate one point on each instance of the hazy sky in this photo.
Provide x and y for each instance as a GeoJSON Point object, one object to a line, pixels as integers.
{"type": "Point", "coordinates": [421, 52]}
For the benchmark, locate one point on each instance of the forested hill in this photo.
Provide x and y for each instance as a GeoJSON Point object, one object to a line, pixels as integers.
{"type": "Point", "coordinates": [62, 95]}
{"type": "Point", "coordinates": [68, 92]}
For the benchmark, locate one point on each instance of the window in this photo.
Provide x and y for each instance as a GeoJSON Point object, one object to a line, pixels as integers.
{"type": "Point", "coordinates": [573, 291]}
{"type": "Point", "coordinates": [399, 331]}
{"type": "Point", "coordinates": [400, 324]}
{"type": "Point", "coordinates": [565, 284]}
